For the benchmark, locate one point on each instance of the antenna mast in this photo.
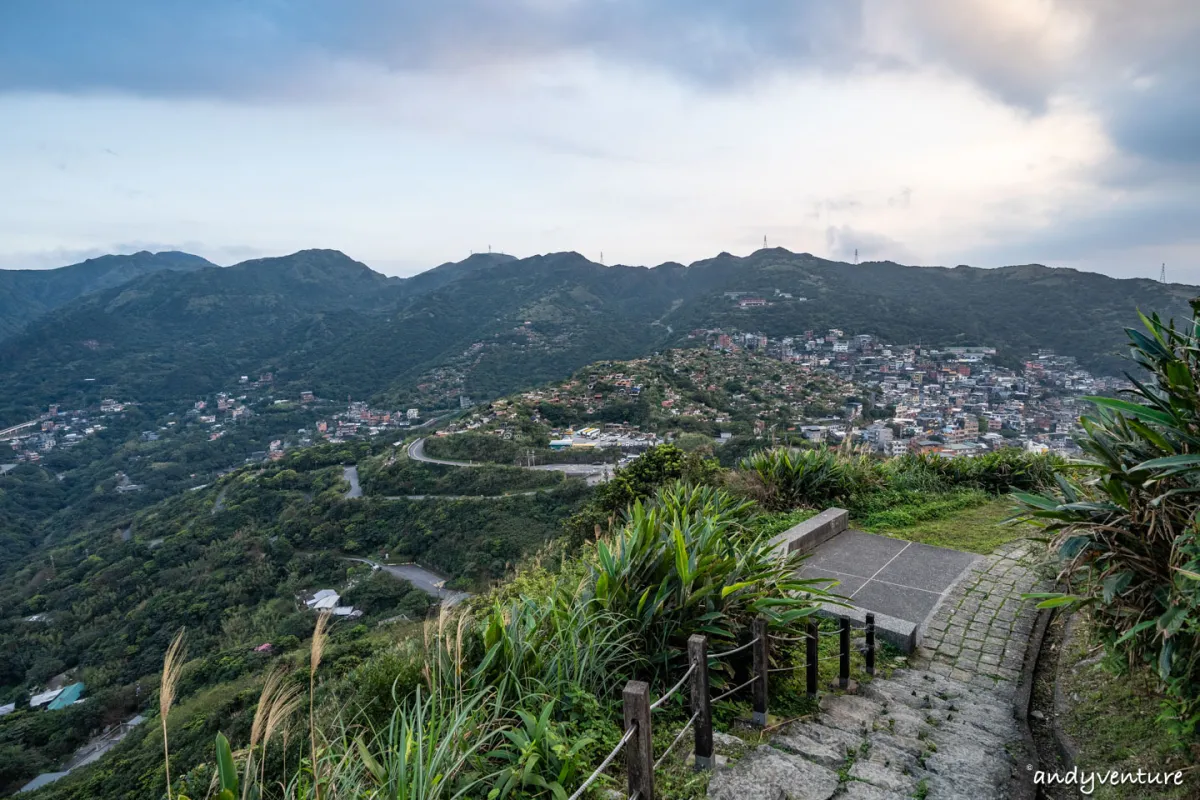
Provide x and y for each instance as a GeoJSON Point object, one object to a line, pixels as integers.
{"type": "Point", "coordinates": [856, 255]}
{"type": "Point", "coordinates": [1162, 274]}
{"type": "Point", "coordinates": [764, 241]}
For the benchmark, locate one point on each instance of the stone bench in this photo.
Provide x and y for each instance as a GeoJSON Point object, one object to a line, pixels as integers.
{"type": "Point", "coordinates": [809, 534]}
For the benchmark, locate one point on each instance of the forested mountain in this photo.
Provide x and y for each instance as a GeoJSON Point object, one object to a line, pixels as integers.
{"type": "Point", "coordinates": [26, 294]}
{"type": "Point", "coordinates": [492, 323]}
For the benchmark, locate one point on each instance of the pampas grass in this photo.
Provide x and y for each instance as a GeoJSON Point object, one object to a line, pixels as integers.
{"type": "Point", "coordinates": [172, 667]}
{"type": "Point", "coordinates": [320, 638]}
{"type": "Point", "coordinates": [276, 704]}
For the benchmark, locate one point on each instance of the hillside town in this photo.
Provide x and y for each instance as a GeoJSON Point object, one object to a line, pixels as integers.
{"type": "Point", "coordinates": [822, 388]}
{"type": "Point", "coordinates": [954, 401]}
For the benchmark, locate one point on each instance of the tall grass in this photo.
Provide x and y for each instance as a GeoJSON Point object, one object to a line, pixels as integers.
{"type": "Point", "coordinates": [1000, 472]}
{"type": "Point", "coordinates": [319, 639]}
{"type": "Point", "coordinates": [172, 669]}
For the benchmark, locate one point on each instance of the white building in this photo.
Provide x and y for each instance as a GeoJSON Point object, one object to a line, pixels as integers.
{"type": "Point", "coordinates": [324, 600]}
{"type": "Point", "coordinates": [44, 698]}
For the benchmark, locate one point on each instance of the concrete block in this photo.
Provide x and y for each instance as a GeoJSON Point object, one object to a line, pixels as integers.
{"type": "Point", "coordinates": [812, 532]}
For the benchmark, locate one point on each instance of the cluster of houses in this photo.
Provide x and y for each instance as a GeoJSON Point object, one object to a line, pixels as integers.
{"type": "Point", "coordinates": [52, 699]}
{"type": "Point", "coordinates": [953, 401]}
{"type": "Point", "coordinates": [57, 428]}
{"type": "Point", "coordinates": [330, 601]}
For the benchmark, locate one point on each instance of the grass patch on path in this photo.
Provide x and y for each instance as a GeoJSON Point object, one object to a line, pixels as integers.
{"type": "Point", "coordinates": [978, 528]}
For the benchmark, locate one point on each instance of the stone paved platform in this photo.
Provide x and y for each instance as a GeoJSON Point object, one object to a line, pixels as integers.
{"type": "Point", "coordinates": [939, 730]}
{"type": "Point", "coordinates": [980, 632]}
{"type": "Point", "coordinates": [903, 583]}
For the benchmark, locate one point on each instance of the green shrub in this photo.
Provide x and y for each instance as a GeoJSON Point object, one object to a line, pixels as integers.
{"type": "Point", "coordinates": [637, 481]}
{"type": "Point", "coordinates": [996, 473]}
{"type": "Point", "coordinates": [1125, 519]}
{"type": "Point", "coordinates": [687, 563]}
{"type": "Point", "coordinates": [783, 478]}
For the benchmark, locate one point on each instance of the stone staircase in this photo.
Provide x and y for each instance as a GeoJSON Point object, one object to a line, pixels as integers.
{"type": "Point", "coordinates": [942, 730]}
{"type": "Point", "coordinates": [913, 735]}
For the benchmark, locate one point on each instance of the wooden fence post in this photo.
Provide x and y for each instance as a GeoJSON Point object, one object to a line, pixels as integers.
{"type": "Point", "coordinates": [871, 645]}
{"type": "Point", "coordinates": [759, 629]}
{"type": "Point", "coordinates": [701, 705]}
{"type": "Point", "coordinates": [811, 645]}
{"type": "Point", "coordinates": [639, 752]}
{"type": "Point", "coordinates": [844, 671]}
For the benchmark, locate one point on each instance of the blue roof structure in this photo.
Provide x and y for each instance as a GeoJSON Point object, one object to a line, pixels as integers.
{"type": "Point", "coordinates": [68, 696]}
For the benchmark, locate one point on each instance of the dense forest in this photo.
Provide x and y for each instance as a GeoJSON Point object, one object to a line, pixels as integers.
{"type": "Point", "coordinates": [231, 563]}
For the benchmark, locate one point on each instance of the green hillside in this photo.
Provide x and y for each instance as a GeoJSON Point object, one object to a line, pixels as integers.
{"type": "Point", "coordinates": [26, 294]}
{"type": "Point", "coordinates": [490, 325]}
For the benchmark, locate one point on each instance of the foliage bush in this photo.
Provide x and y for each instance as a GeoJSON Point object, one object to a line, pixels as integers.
{"type": "Point", "coordinates": [1125, 519]}
{"type": "Point", "coordinates": [998, 472]}
{"type": "Point", "coordinates": [686, 563]}
{"type": "Point", "coordinates": [637, 481]}
{"type": "Point", "coordinates": [515, 695]}
{"type": "Point", "coordinates": [783, 477]}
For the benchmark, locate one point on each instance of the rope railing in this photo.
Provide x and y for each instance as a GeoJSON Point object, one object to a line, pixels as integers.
{"type": "Point", "coordinates": [637, 742]}
{"type": "Point", "coordinates": [676, 740]}
{"type": "Point", "coordinates": [727, 653]}
{"type": "Point", "coordinates": [604, 764]}
{"type": "Point", "coordinates": [734, 690]}
{"type": "Point", "coordinates": [658, 703]}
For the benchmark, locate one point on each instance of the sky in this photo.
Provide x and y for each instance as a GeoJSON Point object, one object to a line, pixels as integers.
{"type": "Point", "coordinates": [407, 134]}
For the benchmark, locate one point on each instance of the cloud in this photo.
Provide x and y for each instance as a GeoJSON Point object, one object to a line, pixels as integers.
{"type": "Point", "coordinates": [230, 48]}
{"type": "Point", "coordinates": [1137, 64]}
{"type": "Point", "coordinates": [845, 243]}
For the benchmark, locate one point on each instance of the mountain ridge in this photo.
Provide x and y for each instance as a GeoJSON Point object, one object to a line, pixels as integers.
{"type": "Point", "coordinates": [493, 323]}
{"type": "Point", "coordinates": [26, 294]}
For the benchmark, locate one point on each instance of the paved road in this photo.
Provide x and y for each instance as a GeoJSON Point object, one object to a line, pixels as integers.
{"type": "Point", "coordinates": [8, 433]}
{"type": "Point", "coordinates": [416, 451]}
{"type": "Point", "coordinates": [592, 473]}
{"type": "Point", "coordinates": [351, 475]}
{"type": "Point", "coordinates": [426, 580]}
{"type": "Point", "coordinates": [461, 496]}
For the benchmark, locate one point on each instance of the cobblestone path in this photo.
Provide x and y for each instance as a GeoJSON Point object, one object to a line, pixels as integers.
{"type": "Point", "coordinates": [942, 729]}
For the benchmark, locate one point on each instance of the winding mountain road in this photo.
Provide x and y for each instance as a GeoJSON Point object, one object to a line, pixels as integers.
{"type": "Point", "coordinates": [592, 473]}
{"type": "Point", "coordinates": [426, 580]}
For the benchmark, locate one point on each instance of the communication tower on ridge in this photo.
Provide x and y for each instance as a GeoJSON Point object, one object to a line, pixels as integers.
{"type": "Point", "coordinates": [1162, 274]}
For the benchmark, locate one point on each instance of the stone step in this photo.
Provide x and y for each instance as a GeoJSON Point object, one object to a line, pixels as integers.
{"type": "Point", "coordinates": [769, 774]}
